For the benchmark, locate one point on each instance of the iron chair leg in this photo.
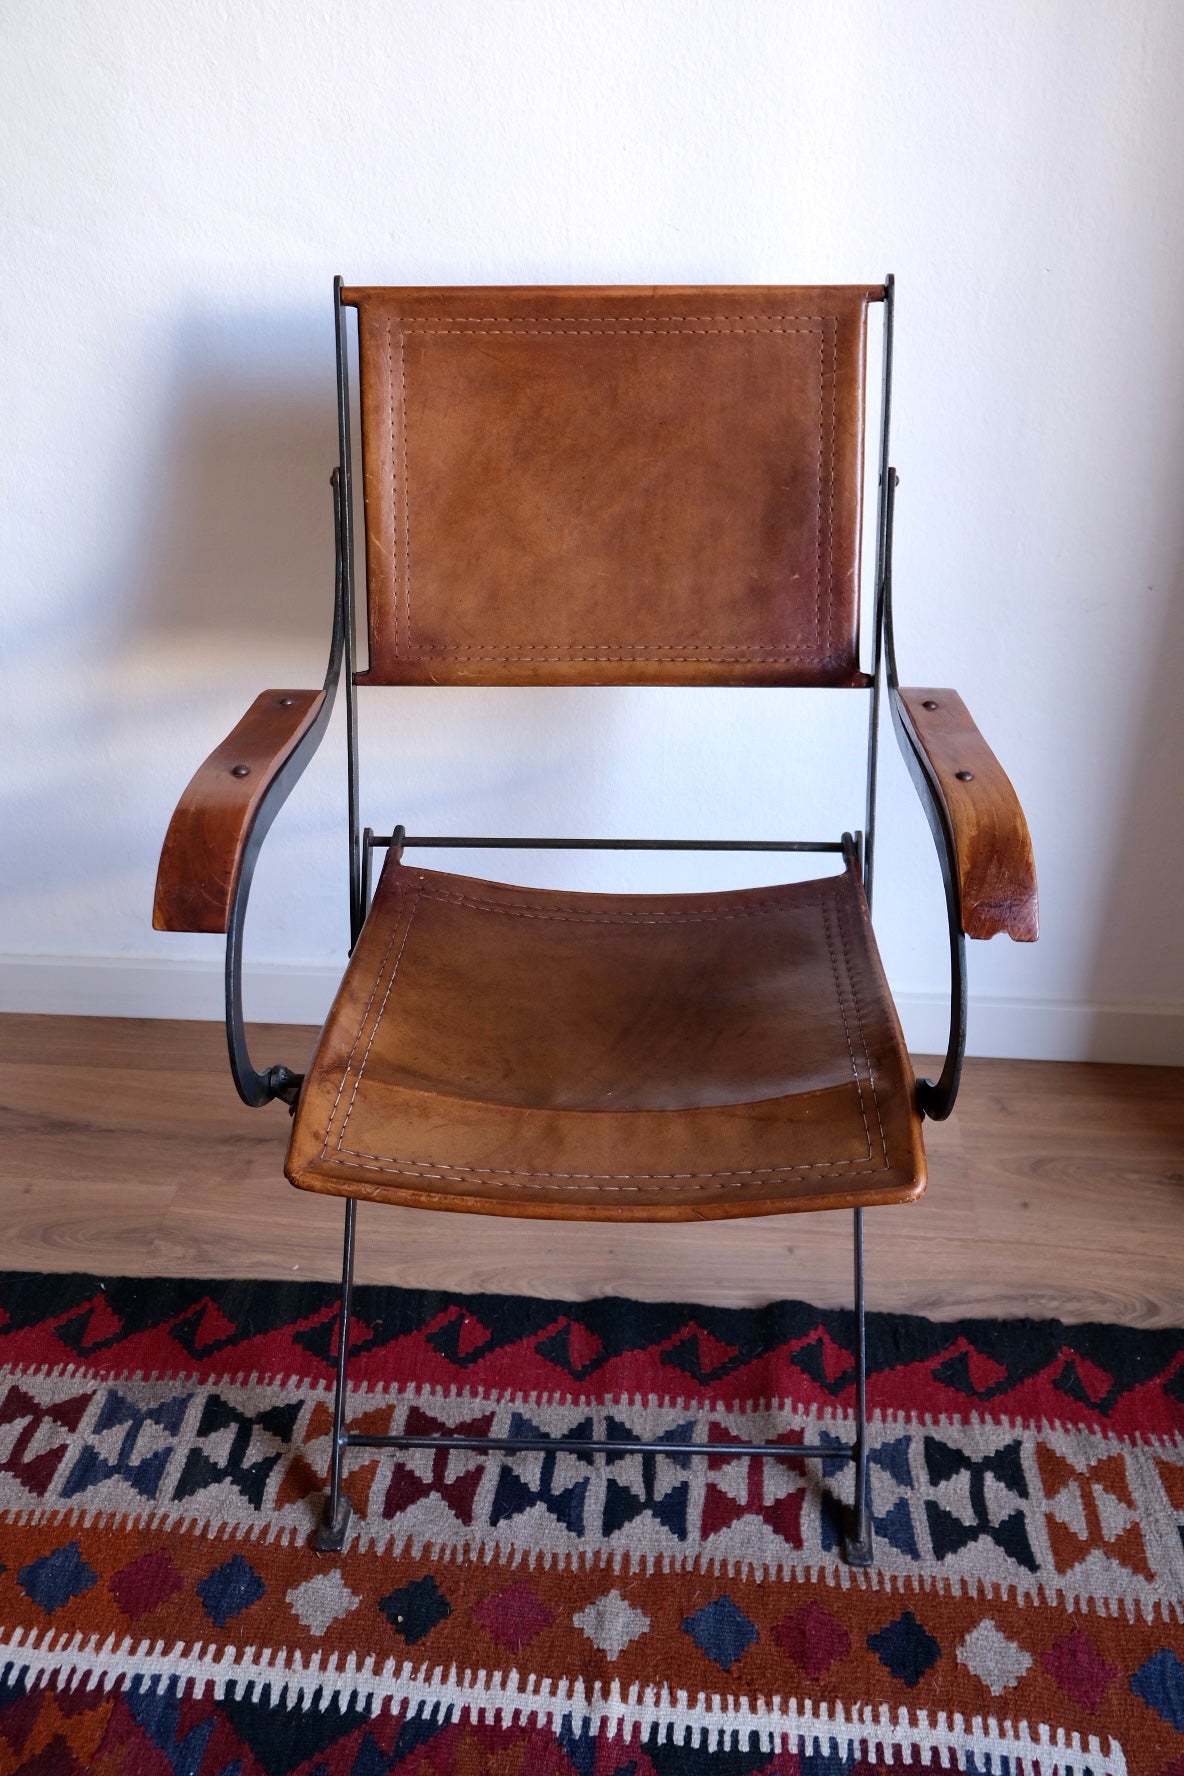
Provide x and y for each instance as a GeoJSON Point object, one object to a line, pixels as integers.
{"type": "Point", "coordinates": [334, 1527]}
{"type": "Point", "coordinates": [330, 1537]}
{"type": "Point", "coordinates": [858, 1542]}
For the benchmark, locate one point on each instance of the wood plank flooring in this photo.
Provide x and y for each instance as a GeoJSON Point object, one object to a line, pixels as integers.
{"type": "Point", "coordinates": [1055, 1189]}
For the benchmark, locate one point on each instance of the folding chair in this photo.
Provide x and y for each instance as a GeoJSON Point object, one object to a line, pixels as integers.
{"type": "Point", "coordinates": [609, 487]}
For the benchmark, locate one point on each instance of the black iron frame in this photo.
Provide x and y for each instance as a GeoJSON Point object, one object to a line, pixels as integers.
{"type": "Point", "coordinates": [934, 1100]}
{"type": "Point", "coordinates": [253, 1087]}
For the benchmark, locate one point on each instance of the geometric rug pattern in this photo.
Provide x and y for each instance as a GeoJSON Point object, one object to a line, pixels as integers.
{"type": "Point", "coordinates": [163, 1451]}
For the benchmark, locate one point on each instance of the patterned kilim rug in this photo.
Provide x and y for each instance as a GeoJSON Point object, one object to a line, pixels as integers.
{"type": "Point", "coordinates": [162, 1452]}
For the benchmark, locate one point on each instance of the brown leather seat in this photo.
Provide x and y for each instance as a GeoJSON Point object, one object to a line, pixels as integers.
{"type": "Point", "coordinates": [661, 1057]}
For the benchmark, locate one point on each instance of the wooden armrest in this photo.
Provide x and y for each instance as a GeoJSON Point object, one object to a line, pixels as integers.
{"type": "Point", "coordinates": [992, 846]}
{"type": "Point", "coordinates": [210, 829]}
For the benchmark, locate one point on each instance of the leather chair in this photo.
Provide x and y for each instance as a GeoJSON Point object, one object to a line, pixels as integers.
{"type": "Point", "coordinates": [595, 487]}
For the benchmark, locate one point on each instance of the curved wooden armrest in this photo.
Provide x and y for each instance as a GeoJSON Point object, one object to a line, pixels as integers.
{"type": "Point", "coordinates": [213, 822]}
{"type": "Point", "coordinates": [996, 872]}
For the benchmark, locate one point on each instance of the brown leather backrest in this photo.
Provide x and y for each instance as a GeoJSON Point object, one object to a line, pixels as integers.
{"type": "Point", "coordinates": [613, 486]}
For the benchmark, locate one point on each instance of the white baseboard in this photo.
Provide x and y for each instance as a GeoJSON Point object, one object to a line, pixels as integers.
{"type": "Point", "coordinates": [1049, 1029]}
{"type": "Point", "coordinates": [276, 992]}
{"type": "Point", "coordinates": [145, 987]}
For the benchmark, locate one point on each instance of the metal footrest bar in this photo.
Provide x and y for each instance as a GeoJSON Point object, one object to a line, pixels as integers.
{"type": "Point", "coordinates": [604, 1446]}
{"type": "Point", "coordinates": [380, 840]}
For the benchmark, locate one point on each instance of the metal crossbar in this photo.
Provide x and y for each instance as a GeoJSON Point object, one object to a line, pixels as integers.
{"type": "Point", "coordinates": [604, 1446]}
{"type": "Point", "coordinates": [381, 840]}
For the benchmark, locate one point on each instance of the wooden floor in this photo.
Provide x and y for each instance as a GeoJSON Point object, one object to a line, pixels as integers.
{"type": "Point", "coordinates": [1054, 1190]}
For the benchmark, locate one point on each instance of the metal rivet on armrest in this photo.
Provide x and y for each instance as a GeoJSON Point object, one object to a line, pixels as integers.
{"type": "Point", "coordinates": [240, 770]}
{"type": "Point", "coordinates": [286, 702]}
{"type": "Point", "coordinates": [964, 776]}
{"type": "Point", "coordinates": [929, 703]}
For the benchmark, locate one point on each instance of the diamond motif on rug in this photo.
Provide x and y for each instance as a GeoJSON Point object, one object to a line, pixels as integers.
{"type": "Point", "coordinates": [95, 1326]}
{"type": "Point", "coordinates": [414, 1610]}
{"type": "Point", "coordinates": [144, 1584]}
{"type": "Point", "coordinates": [55, 1579]}
{"type": "Point", "coordinates": [994, 1659]}
{"type": "Point", "coordinates": [1083, 1380]}
{"type": "Point", "coordinates": [970, 1371]}
{"type": "Point", "coordinates": [322, 1600]}
{"type": "Point", "coordinates": [1077, 1666]}
{"type": "Point", "coordinates": [1160, 1683]}
{"type": "Point", "coordinates": [204, 1327]}
{"type": "Point", "coordinates": [462, 1337]}
{"type": "Point", "coordinates": [514, 1617]}
{"type": "Point", "coordinates": [612, 1624]}
{"type": "Point", "coordinates": [905, 1649]}
{"type": "Point", "coordinates": [722, 1631]}
{"type": "Point", "coordinates": [812, 1639]}
{"type": "Point", "coordinates": [229, 1590]}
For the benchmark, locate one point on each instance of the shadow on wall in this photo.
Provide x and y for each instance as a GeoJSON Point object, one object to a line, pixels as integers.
{"type": "Point", "coordinates": [239, 531]}
{"type": "Point", "coordinates": [228, 564]}
{"type": "Point", "coordinates": [1141, 932]}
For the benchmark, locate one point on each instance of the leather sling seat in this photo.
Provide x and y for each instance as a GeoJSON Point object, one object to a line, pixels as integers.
{"type": "Point", "coordinates": [521, 1051]}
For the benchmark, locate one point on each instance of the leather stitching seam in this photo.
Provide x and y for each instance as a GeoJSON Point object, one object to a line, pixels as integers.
{"type": "Point", "coordinates": [871, 1072]}
{"type": "Point", "coordinates": [610, 324]}
{"type": "Point", "coordinates": [362, 1023]}
{"type": "Point", "coordinates": [390, 359]}
{"type": "Point", "coordinates": [353, 1098]}
{"type": "Point", "coordinates": [606, 1181]}
{"type": "Point", "coordinates": [839, 1001]}
{"type": "Point", "coordinates": [610, 656]}
{"type": "Point", "coordinates": [623, 649]}
{"type": "Point", "coordinates": [603, 1182]}
{"type": "Point", "coordinates": [522, 910]}
{"type": "Point", "coordinates": [670, 653]}
{"type": "Point", "coordinates": [406, 502]}
{"type": "Point", "coordinates": [830, 490]}
{"type": "Point", "coordinates": [818, 501]}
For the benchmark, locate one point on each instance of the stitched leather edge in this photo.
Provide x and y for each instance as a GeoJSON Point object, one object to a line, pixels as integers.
{"type": "Point", "coordinates": [724, 653]}
{"type": "Point", "coordinates": [366, 1013]}
{"type": "Point", "coordinates": [599, 1181]}
{"type": "Point", "coordinates": [731, 1178]}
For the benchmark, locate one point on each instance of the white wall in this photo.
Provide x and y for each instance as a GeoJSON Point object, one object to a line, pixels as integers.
{"type": "Point", "coordinates": [180, 182]}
